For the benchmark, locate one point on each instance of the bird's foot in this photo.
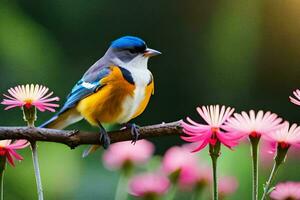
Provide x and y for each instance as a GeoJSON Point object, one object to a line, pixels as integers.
{"type": "Point", "coordinates": [135, 132]}
{"type": "Point", "coordinates": [104, 137]}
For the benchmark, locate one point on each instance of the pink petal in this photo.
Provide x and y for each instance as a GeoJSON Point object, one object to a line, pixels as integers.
{"type": "Point", "coordinates": [9, 97]}
{"type": "Point", "coordinates": [42, 107]}
{"type": "Point", "coordinates": [293, 100]}
{"type": "Point", "coordinates": [195, 123]}
{"type": "Point", "coordinates": [43, 100]}
{"type": "Point", "coordinates": [202, 136]}
{"type": "Point", "coordinates": [12, 102]}
{"type": "Point", "coordinates": [10, 107]}
{"type": "Point", "coordinates": [19, 144]}
{"type": "Point", "coordinates": [191, 139]}
{"type": "Point", "coordinates": [10, 159]}
{"type": "Point", "coordinates": [14, 154]}
{"type": "Point", "coordinates": [204, 143]}
{"type": "Point", "coordinates": [50, 109]}
{"type": "Point", "coordinates": [45, 104]}
{"type": "Point", "coordinates": [194, 133]}
{"type": "Point", "coordinates": [227, 141]}
{"type": "Point", "coordinates": [194, 129]}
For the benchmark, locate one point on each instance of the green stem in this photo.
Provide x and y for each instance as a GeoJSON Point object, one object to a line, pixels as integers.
{"type": "Point", "coordinates": [29, 115]}
{"type": "Point", "coordinates": [2, 168]}
{"type": "Point", "coordinates": [215, 178]}
{"type": "Point", "coordinates": [172, 192]}
{"type": "Point", "coordinates": [198, 192]}
{"type": "Point", "coordinates": [270, 180]}
{"type": "Point", "coordinates": [151, 197]}
{"type": "Point", "coordinates": [254, 151]}
{"type": "Point", "coordinates": [37, 170]}
{"type": "Point", "coordinates": [121, 192]}
{"type": "Point", "coordinates": [279, 159]}
{"type": "Point", "coordinates": [174, 178]}
{"type": "Point", "coordinates": [214, 151]}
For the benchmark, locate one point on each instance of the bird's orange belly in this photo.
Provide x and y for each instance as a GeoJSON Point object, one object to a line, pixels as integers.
{"type": "Point", "coordinates": [104, 106]}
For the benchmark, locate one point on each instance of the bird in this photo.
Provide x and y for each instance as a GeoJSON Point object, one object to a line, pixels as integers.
{"type": "Point", "coordinates": [114, 90]}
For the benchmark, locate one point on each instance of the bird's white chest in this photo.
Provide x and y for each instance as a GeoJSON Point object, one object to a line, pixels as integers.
{"type": "Point", "coordinates": [132, 103]}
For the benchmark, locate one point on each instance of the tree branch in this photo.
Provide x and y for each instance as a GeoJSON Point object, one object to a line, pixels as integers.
{"type": "Point", "coordinates": [74, 138]}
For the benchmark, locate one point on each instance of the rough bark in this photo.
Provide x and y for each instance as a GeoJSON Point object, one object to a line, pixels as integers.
{"type": "Point", "coordinates": [74, 138]}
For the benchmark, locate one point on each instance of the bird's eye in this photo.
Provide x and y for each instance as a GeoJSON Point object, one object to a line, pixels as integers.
{"type": "Point", "coordinates": [132, 51]}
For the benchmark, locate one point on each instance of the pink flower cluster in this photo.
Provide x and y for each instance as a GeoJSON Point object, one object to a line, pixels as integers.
{"type": "Point", "coordinates": [229, 128]}
{"type": "Point", "coordinates": [191, 172]}
{"type": "Point", "coordinates": [222, 125]}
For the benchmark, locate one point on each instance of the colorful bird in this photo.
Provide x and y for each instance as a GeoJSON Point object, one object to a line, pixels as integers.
{"type": "Point", "coordinates": [116, 89]}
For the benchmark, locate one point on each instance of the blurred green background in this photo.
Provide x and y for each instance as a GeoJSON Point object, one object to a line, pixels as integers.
{"type": "Point", "coordinates": [240, 53]}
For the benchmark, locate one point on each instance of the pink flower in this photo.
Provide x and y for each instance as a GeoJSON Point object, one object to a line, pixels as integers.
{"type": "Point", "coordinates": [227, 186]}
{"type": "Point", "coordinates": [253, 125]}
{"type": "Point", "coordinates": [286, 191]}
{"type": "Point", "coordinates": [7, 149]}
{"type": "Point", "coordinates": [180, 160]}
{"type": "Point", "coordinates": [122, 153]}
{"type": "Point", "coordinates": [297, 99]}
{"type": "Point", "coordinates": [210, 133]}
{"type": "Point", "coordinates": [286, 136]}
{"type": "Point", "coordinates": [30, 95]}
{"type": "Point", "coordinates": [148, 184]}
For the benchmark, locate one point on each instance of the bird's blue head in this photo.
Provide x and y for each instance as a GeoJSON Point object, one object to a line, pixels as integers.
{"type": "Point", "coordinates": [129, 48]}
{"type": "Point", "coordinates": [130, 43]}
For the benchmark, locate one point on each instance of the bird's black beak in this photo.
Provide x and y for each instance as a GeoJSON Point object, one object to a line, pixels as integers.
{"type": "Point", "coordinates": [151, 52]}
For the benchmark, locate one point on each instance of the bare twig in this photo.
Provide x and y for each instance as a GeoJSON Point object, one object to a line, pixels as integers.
{"type": "Point", "coordinates": [74, 138]}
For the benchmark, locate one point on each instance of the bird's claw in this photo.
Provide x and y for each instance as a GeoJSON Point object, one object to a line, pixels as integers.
{"type": "Point", "coordinates": [135, 132]}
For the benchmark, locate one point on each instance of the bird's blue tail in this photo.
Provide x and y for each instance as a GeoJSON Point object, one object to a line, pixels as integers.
{"type": "Point", "coordinates": [62, 120]}
{"type": "Point", "coordinates": [48, 122]}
